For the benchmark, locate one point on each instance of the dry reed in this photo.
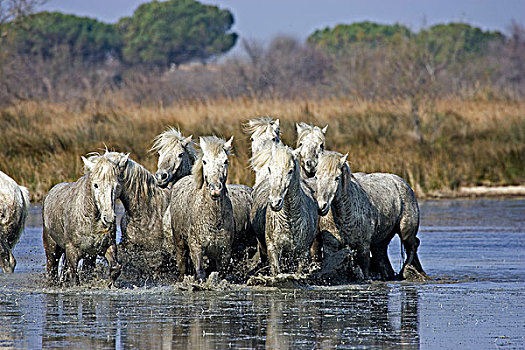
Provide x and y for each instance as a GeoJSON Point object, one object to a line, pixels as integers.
{"type": "Point", "coordinates": [465, 142]}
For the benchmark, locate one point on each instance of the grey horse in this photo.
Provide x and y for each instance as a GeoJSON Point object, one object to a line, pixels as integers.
{"type": "Point", "coordinates": [310, 143]}
{"type": "Point", "coordinates": [202, 218]}
{"type": "Point", "coordinates": [176, 158]}
{"type": "Point", "coordinates": [79, 218]}
{"type": "Point", "coordinates": [290, 225]}
{"type": "Point", "coordinates": [14, 203]}
{"type": "Point", "coordinates": [146, 250]}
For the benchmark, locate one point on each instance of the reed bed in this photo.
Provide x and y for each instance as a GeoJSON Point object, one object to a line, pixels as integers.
{"type": "Point", "coordinates": [464, 142]}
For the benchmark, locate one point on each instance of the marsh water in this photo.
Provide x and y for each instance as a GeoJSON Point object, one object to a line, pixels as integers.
{"type": "Point", "coordinates": [473, 249]}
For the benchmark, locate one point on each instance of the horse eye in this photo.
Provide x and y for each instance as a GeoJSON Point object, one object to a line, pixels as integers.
{"type": "Point", "coordinates": [269, 170]}
{"type": "Point", "coordinates": [290, 171]}
{"type": "Point", "coordinates": [251, 139]}
{"type": "Point", "coordinates": [337, 179]}
{"type": "Point", "coordinates": [226, 161]}
{"type": "Point", "coordinates": [301, 144]}
{"type": "Point", "coordinates": [95, 185]}
{"type": "Point", "coordinates": [203, 162]}
{"type": "Point", "coordinates": [180, 155]}
{"type": "Point", "coordinates": [322, 146]}
{"type": "Point", "coordinates": [274, 139]}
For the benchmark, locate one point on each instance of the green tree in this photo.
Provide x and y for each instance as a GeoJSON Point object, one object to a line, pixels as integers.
{"type": "Point", "coordinates": [161, 33]}
{"type": "Point", "coordinates": [457, 41]}
{"type": "Point", "coordinates": [46, 33]}
{"type": "Point", "coordinates": [344, 37]}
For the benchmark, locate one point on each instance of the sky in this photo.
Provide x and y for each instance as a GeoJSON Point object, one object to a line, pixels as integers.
{"type": "Point", "coordinates": [262, 20]}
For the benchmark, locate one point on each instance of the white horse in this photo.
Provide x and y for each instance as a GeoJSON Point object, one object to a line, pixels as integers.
{"type": "Point", "coordinates": [264, 132]}
{"type": "Point", "coordinates": [14, 203]}
{"type": "Point", "coordinates": [79, 218]}
{"type": "Point", "coordinates": [310, 143]}
{"type": "Point", "coordinates": [202, 217]}
{"type": "Point", "coordinates": [290, 225]}
{"type": "Point", "coordinates": [177, 155]}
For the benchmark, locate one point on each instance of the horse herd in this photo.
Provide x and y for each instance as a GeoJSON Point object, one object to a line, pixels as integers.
{"type": "Point", "coordinates": [306, 214]}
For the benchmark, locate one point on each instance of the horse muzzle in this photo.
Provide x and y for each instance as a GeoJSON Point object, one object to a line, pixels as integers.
{"type": "Point", "coordinates": [162, 178]}
{"type": "Point", "coordinates": [309, 168]}
{"type": "Point", "coordinates": [276, 204]}
{"type": "Point", "coordinates": [323, 208]}
{"type": "Point", "coordinates": [215, 190]}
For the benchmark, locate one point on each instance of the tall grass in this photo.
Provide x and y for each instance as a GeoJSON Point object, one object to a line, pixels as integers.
{"type": "Point", "coordinates": [465, 142]}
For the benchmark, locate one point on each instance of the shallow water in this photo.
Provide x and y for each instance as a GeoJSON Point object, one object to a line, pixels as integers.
{"type": "Point", "coordinates": [473, 249]}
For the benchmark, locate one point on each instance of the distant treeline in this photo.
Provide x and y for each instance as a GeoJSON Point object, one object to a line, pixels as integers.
{"type": "Point", "coordinates": [59, 57]}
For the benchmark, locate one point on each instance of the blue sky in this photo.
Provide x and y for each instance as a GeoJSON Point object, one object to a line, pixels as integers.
{"type": "Point", "coordinates": [264, 19]}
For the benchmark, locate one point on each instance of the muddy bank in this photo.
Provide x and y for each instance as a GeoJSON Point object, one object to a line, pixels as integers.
{"type": "Point", "coordinates": [477, 192]}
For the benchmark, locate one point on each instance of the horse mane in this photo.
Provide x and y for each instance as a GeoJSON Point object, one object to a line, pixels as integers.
{"type": "Point", "coordinates": [260, 159]}
{"type": "Point", "coordinates": [104, 168]}
{"type": "Point", "coordinates": [330, 162]}
{"type": "Point", "coordinates": [214, 145]}
{"type": "Point", "coordinates": [141, 181]}
{"type": "Point", "coordinates": [279, 152]}
{"type": "Point", "coordinates": [256, 126]}
{"type": "Point", "coordinates": [165, 141]}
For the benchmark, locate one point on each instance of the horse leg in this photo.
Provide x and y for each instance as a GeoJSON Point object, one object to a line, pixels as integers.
{"type": "Point", "coordinates": [53, 255]}
{"type": "Point", "coordinates": [316, 249]}
{"type": "Point", "coordinates": [363, 260]}
{"type": "Point", "coordinates": [114, 265]}
{"type": "Point", "coordinates": [273, 257]}
{"type": "Point", "coordinates": [411, 245]}
{"type": "Point", "coordinates": [180, 257]}
{"type": "Point", "coordinates": [73, 256]}
{"type": "Point", "coordinates": [381, 262]}
{"type": "Point", "coordinates": [7, 259]}
{"type": "Point", "coordinates": [196, 258]}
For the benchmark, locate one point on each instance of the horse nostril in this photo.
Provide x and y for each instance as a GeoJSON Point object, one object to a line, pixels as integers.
{"type": "Point", "coordinates": [164, 176]}
{"type": "Point", "coordinates": [309, 163]}
{"type": "Point", "coordinates": [324, 206]}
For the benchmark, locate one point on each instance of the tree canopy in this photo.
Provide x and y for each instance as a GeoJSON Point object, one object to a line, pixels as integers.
{"type": "Point", "coordinates": [460, 40]}
{"type": "Point", "coordinates": [85, 38]}
{"type": "Point", "coordinates": [161, 33]}
{"type": "Point", "coordinates": [346, 36]}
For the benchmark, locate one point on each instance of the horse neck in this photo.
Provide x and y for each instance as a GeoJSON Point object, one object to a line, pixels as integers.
{"type": "Point", "coordinates": [293, 199]}
{"type": "Point", "coordinates": [184, 169]}
{"type": "Point", "coordinates": [213, 209]}
{"type": "Point", "coordinates": [139, 190]}
{"type": "Point", "coordinates": [85, 196]}
{"type": "Point", "coordinates": [344, 204]}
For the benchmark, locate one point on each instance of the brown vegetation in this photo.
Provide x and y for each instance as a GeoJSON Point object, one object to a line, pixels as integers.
{"type": "Point", "coordinates": [465, 142]}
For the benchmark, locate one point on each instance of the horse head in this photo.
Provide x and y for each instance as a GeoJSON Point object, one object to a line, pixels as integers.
{"type": "Point", "coordinates": [105, 181]}
{"type": "Point", "coordinates": [331, 170]}
{"type": "Point", "coordinates": [283, 168]}
{"type": "Point", "coordinates": [176, 156]}
{"type": "Point", "coordinates": [211, 169]}
{"type": "Point", "coordinates": [310, 143]}
{"type": "Point", "coordinates": [263, 131]}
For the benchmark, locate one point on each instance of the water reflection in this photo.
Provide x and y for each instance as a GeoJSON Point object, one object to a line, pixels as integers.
{"type": "Point", "coordinates": [482, 240]}
{"type": "Point", "coordinates": [271, 319]}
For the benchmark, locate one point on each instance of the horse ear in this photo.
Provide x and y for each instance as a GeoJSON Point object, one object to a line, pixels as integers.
{"type": "Point", "coordinates": [88, 163]}
{"type": "Point", "coordinates": [228, 145]}
{"type": "Point", "coordinates": [187, 140]}
{"type": "Point", "coordinates": [324, 129]}
{"type": "Point", "coordinates": [202, 143]}
{"type": "Point", "coordinates": [276, 123]}
{"type": "Point", "coordinates": [342, 161]}
{"type": "Point", "coordinates": [298, 127]}
{"type": "Point", "coordinates": [295, 153]}
{"type": "Point", "coordinates": [123, 161]}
